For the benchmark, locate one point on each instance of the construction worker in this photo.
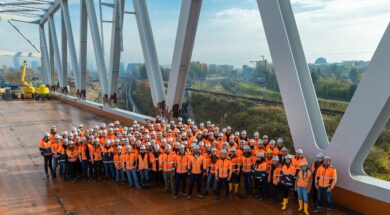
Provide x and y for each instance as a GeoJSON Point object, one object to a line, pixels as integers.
{"type": "Point", "coordinates": [196, 168]}
{"type": "Point", "coordinates": [96, 159]}
{"type": "Point", "coordinates": [119, 163]}
{"type": "Point", "coordinates": [223, 173]}
{"type": "Point", "coordinates": [143, 166]}
{"type": "Point", "coordinates": [46, 152]}
{"type": "Point", "coordinates": [260, 173]}
{"type": "Point", "coordinates": [314, 167]}
{"type": "Point", "coordinates": [303, 186]}
{"type": "Point", "coordinates": [274, 177]}
{"type": "Point", "coordinates": [247, 166]}
{"type": "Point", "coordinates": [72, 154]}
{"type": "Point", "coordinates": [298, 159]}
{"type": "Point", "coordinates": [54, 149]}
{"type": "Point", "coordinates": [83, 157]}
{"type": "Point", "coordinates": [108, 160]}
{"type": "Point", "coordinates": [287, 179]}
{"type": "Point", "coordinates": [211, 171]}
{"type": "Point", "coordinates": [168, 163]}
{"type": "Point", "coordinates": [156, 167]}
{"type": "Point", "coordinates": [326, 178]}
{"type": "Point", "coordinates": [237, 163]}
{"type": "Point", "coordinates": [131, 163]}
{"type": "Point", "coordinates": [181, 162]}
{"type": "Point", "coordinates": [61, 152]}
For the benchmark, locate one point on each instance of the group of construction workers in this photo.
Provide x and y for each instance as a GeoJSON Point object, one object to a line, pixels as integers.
{"type": "Point", "coordinates": [159, 152]}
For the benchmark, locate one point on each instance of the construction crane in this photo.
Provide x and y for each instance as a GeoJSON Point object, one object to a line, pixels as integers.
{"type": "Point", "coordinates": [27, 90]}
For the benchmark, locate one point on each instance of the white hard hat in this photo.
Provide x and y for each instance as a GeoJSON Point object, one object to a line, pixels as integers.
{"type": "Point", "coordinates": [167, 147]}
{"type": "Point", "coordinates": [304, 164]}
{"type": "Point", "coordinates": [299, 151]}
{"type": "Point", "coordinates": [196, 147]}
{"type": "Point", "coordinates": [47, 134]}
{"type": "Point", "coordinates": [260, 155]}
{"type": "Point", "coordinates": [280, 140]}
{"type": "Point", "coordinates": [327, 158]}
{"type": "Point", "coordinates": [320, 155]}
{"type": "Point", "coordinates": [223, 151]}
{"type": "Point", "coordinates": [142, 147]}
{"type": "Point", "coordinates": [232, 149]}
{"type": "Point", "coordinates": [275, 158]}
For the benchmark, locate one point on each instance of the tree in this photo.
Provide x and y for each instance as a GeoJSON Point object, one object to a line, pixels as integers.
{"type": "Point", "coordinates": [314, 77]}
{"type": "Point", "coordinates": [354, 75]}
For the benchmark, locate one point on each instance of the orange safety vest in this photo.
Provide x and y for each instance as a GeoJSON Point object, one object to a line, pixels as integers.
{"type": "Point", "coordinates": [326, 177]}
{"type": "Point", "coordinates": [276, 175]}
{"type": "Point", "coordinates": [211, 167]}
{"type": "Point", "coordinates": [237, 163]}
{"type": "Point", "coordinates": [224, 168]}
{"type": "Point", "coordinates": [130, 160]}
{"type": "Point", "coordinates": [82, 152]}
{"type": "Point", "coordinates": [247, 163]}
{"type": "Point", "coordinates": [72, 155]}
{"type": "Point", "coordinates": [303, 180]}
{"type": "Point", "coordinates": [143, 163]}
{"type": "Point", "coordinates": [297, 162]}
{"type": "Point", "coordinates": [119, 161]}
{"type": "Point", "coordinates": [54, 148]}
{"type": "Point", "coordinates": [288, 174]}
{"type": "Point", "coordinates": [196, 163]}
{"type": "Point", "coordinates": [153, 161]}
{"type": "Point", "coordinates": [181, 163]}
{"type": "Point", "coordinates": [168, 161]}
{"type": "Point", "coordinates": [96, 153]}
{"type": "Point", "coordinates": [46, 147]}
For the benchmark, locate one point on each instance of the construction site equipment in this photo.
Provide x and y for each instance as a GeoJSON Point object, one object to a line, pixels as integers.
{"type": "Point", "coordinates": [27, 90]}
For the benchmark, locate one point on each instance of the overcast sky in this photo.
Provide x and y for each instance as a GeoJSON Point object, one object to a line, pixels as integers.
{"type": "Point", "coordinates": [231, 32]}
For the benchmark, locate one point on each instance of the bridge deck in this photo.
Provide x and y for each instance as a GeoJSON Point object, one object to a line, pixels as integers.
{"type": "Point", "coordinates": [25, 189]}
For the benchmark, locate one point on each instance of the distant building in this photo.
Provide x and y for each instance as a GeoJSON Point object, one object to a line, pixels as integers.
{"type": "Point", "coordinates": [35, 65]}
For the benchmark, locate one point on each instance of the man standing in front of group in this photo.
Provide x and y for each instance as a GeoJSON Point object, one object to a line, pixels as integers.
{"type": "Point", "coordinates": [326, 178]}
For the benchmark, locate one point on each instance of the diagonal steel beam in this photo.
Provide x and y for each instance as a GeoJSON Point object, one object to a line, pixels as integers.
{"type": "Point", "coordinates": [83, 48]}
{"type": "Point", "coordinates": [185, 38]}
{"type": "Point", "coordinates": [71, 44]}
{"type": "Point", "coordinates": [56, 48]}
{"type": "Point", "coordinates": [150, 55]}
{"type": "Point", "coordinates": [64, 46]}
{"type": "Point", "coordinates": [97, 44]}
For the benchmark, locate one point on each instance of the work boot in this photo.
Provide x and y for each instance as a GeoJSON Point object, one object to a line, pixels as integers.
{"type": "Point", "coordinates": [306, 209]}
{"type": "Point", "coordinates": [175, 197]}
{"type": "Point", "coordinates": [230, 187]}
{"type": "Point", "coordinates": [318, 210]}
{"type": "Point", "coordinates": [300, 205]}
{"type": "Point", "coordinates": [235, 188]}
{"type": "Point", "coordinates": [200, 196]}
{"type": "Point", "coordinates": [189, 197]}
{"type": "Point", "coordinates": [284, 204]}
{"type": "Point", "coordinates": [183, 194]}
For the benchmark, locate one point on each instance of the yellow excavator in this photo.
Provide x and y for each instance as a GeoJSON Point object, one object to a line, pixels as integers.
{"type": "Point", "coordinates": [28, 91]}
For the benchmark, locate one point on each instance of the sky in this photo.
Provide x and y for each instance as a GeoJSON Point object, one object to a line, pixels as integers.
{"type": "Point", "coordinates": [231, 31]}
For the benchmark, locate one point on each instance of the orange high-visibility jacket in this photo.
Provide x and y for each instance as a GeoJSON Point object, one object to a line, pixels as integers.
{"type": "Point", "coordinates": [143, 163]}
{"type": "Point", "coordinates": [96, 153]}
{"type": "Point", "coordinates": [288, 174]}
{"type": "Point", "coordinates": [326, 177]}
{"type": "Point", "coordinates": [54, 148]}
{"type": "Point", "coordinates": [130, 160]}
{"type": "Point", "coordinates": [276, 175]}
{"type": "Point", "coordinates": [297, 162]}
{"type": "Point", "coordinates": [196, 164]}
{"type": "Point", "coordinates": [303, 180]}
{"type": "Point", "coordinates": [210, 166]}
{"type": "Point", "coordinates": [247, 163]}
{"type": "Point", "coordinates": [261, 170]}
{"type": "Point", "coordinates": [153, 162]}
{"type": "Point", "coordinates": [119, 161]}
{"type": "Point", "coordinates": [72, 154]}
{"type": "Point", "coordinates": [168, 161]}
{"type": "Point", "coordinates": [224, 168]}
{"type": "Point", "coordinates": [45, 147]}
{"type": "Point", "coordinates": [181, 163]}
{"type": "Point", "coordinates": [82, 149]}
{"type": "Point", "coordinates": [237, 163]}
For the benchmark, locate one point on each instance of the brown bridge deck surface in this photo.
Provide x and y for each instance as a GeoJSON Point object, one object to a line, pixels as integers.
{"type": "Point", "coordinates": [24, 188]}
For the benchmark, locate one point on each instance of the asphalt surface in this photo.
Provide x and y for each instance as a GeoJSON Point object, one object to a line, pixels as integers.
{"type": "Point", "coordinates": [24, 188]}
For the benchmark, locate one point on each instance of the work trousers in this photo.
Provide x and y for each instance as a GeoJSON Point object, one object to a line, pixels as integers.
{"type": "Point", "coordinates": [211, 182]}
{"type": "Point", "coordinates": [120, 175]}
{"type": "Point", "coordinates": [132, 178]}
{"type": "Point", "coordinates": [303, 194]}
{"type": "Point", "coordinates": [144, 177]}
{"type": "Point", "coordinates": [198, 179]}
{"type": "Point", "coordinates": [321, 192]}
{"type": "Point", "coordinates": [72, 170]}
{"type": "Point", "coordinates": [285, 190]}
{"type": "Point", "coordinates": [97, 168]}
{"type": "Point", "coordinates": [55, 164]}
{"type": "Point", "coordinates": [169, 179]}
{"type": "Point", "coordinates": [248, 183]}
{"type": "Point", "coordinates": [180, 178]}
{"type": "Point", "coordinates": [157, 177]}
{"type": "Point", "coordinates": [225, 183]}
{"type": "Point", "coordinates": [261, 187]}
{"type": "Point", "coordinates": [48, 164]}
{"type": "Point", "coordinates": [62, 168]}
{"type": "Point", "coordinates": [274, 189]}
{"type": "Point", "coordinates": [109, 169]}
{"type": "Point", "coordinates": [84, 168]}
